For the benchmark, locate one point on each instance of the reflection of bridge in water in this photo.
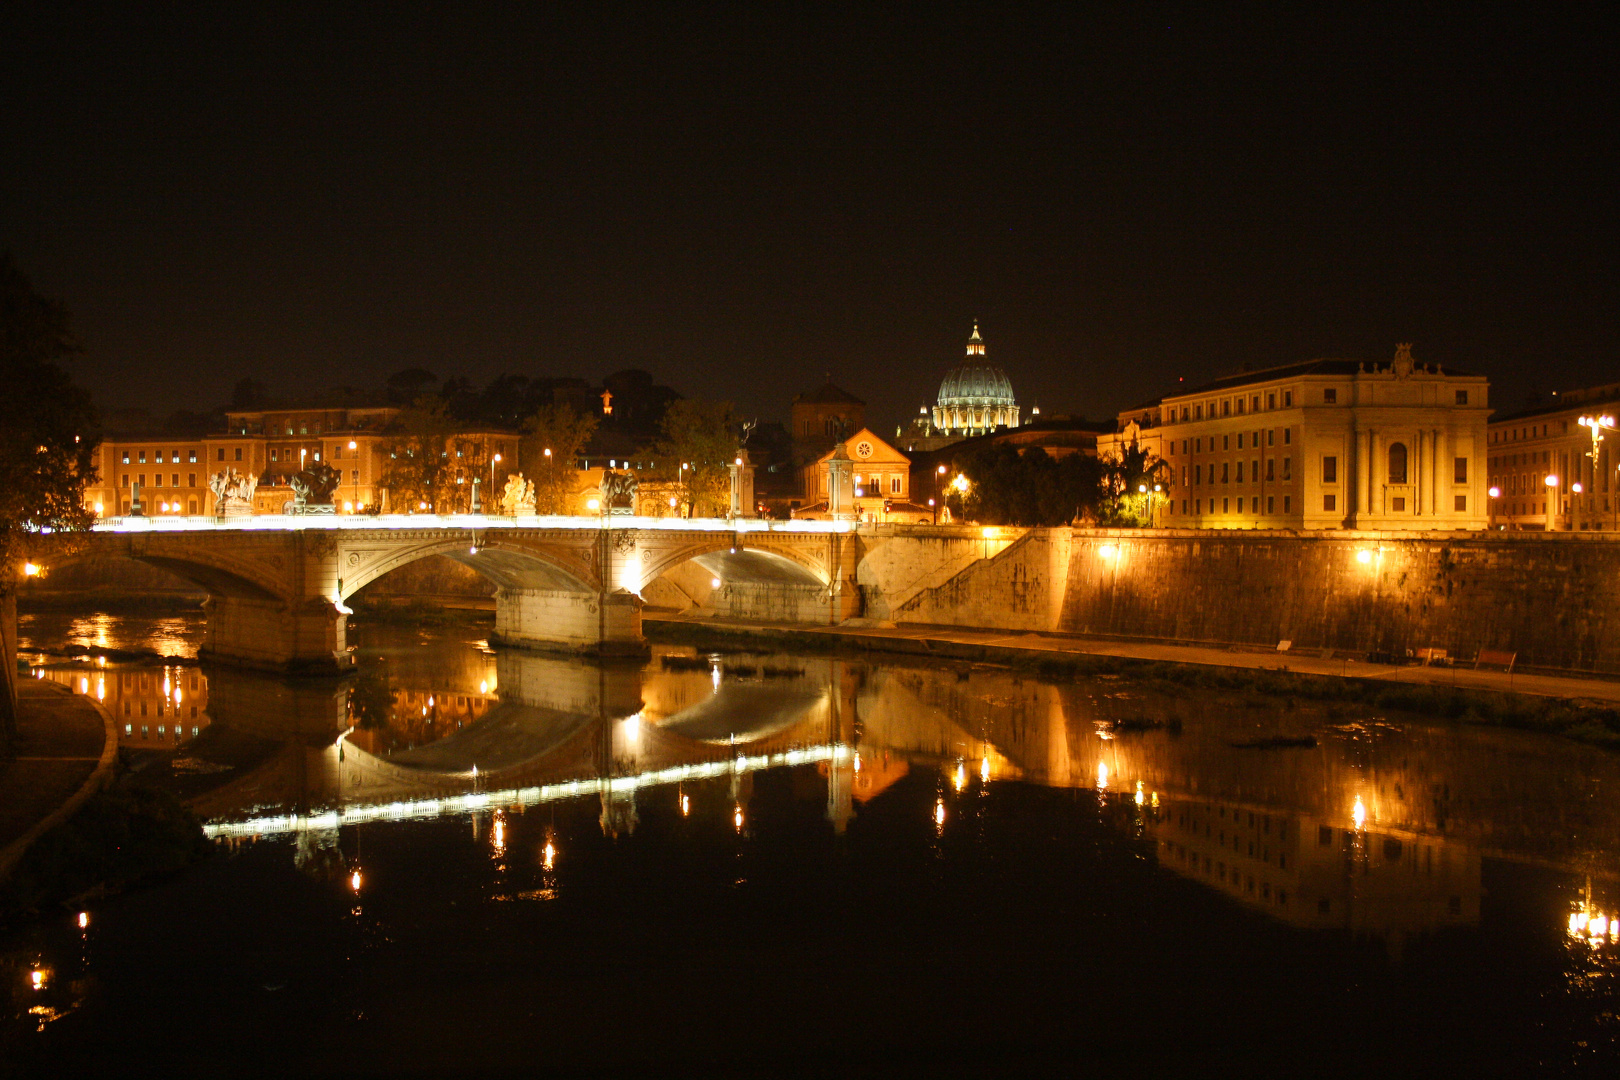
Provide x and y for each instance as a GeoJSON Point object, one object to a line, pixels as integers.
{"type": "Point", "coordinates": [1379, 826]}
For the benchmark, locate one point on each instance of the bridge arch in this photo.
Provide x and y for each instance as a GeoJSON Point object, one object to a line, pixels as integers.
{"type": "Point", "coordinates": [737, 560]}
{"type": "Point", "coordinates": [509, 565]}
{"type": "Point", "coordinates": [213, 572]}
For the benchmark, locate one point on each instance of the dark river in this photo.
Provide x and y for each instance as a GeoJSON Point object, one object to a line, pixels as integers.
{"type": "Point", "coordinates": [468, 860]}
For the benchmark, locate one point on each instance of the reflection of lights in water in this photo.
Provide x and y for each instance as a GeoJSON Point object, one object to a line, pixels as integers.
{"type": "Point", "coordinates": [939, 811]}
{"type": "Point", "coordinates": [1141, 796]}
{"type": "Point", "coordinates": [430, 701]}
{"type": "Point", "coordinates": [84, 919]}
{"type": "Point", "coordinates": [1153, 800]}
{"type": "Point", "coordinates": [1102, 775]}
{"type": "Point", "coordinates": [84, 685]}
{"type": "Point", "coordinates": [548, 856]}
{"type": "Point", "coordinates": [1593, 927]}
{"type": "Point", "coordinates": [960, 779]}
{"type": "Point", "coordinates": [857, 764]}
{"type": "Point", "coordinates": [178, 697]}
{"type": "Point", "coordinates": [101, 689]}
{"type": "Point", "coordinates": [714, 676]}
{"type": "Point", "coordinates": [497, 835]}
{"type": "Point", "coordinates": [737, 817]}
{"type": "Point", "coordinates": [37, 977]}
{"type": "Point", "coordinates": [984, 770]}
{"type": "Point", "coordinates": [686, 804]}
{"type": "Point", "coordinates": [632, 727]}
{"type": "Point", "coordinates": [483, 686]}
{"type": "Point", "coordinates": [1358, 813]}
{"type": "Point", "coordinates": [354, 881]}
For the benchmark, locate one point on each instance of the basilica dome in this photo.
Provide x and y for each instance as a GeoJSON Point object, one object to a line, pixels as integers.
{"type": "Point", "coordinates": [976, 396]}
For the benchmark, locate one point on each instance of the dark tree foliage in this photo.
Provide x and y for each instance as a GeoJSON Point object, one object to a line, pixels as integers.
{"type": "Point", "coordinates": [1007, 487]}
{"type": "Point", "coordinates": [48, 436]}
{"type": "Point", "coordinates": [404, 387]}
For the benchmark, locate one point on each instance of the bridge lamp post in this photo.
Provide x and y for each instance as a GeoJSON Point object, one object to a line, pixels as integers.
{"type": "Point", "coordinates": [1495, 493]}
{"type": "Point", "coordinates": [1552, 499]}
{"type": "Point", "coordinates": [494, 461]}
{"type": "Point", "coordinates": [933, 491]}
{"type": "Point", "coordinates": [1596, 425]}
{"type": "Point", "coordinates": [352, 447]}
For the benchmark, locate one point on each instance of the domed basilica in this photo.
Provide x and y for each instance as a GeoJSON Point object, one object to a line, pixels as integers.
{"type": "Point", "coordinates": [976, 397]}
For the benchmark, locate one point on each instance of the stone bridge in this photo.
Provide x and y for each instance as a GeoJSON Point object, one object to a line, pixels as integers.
{"type": "Point", "coordinates": [278, 586]}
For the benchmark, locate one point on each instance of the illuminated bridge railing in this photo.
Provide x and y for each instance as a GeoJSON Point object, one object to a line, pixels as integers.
{"type": "Point", "coordinates": [416, 809]}
{"type": "Point", "coordinates": [176, 523]}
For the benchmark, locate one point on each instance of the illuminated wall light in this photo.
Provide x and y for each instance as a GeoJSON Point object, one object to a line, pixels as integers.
{"type": "Point", "coordinates": [714, 583]}
{"type": "Point", "coordinates": [1364, 556]}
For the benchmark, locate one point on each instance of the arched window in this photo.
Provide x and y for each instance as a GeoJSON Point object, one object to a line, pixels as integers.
{"type": "Point", "coordinates": [1397, 463]}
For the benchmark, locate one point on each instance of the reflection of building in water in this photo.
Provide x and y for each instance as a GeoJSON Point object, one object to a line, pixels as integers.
{"type": "Point", "coordinates": [412, 718]}
{"type": "Point", "coordinates": [1314, 874]}
{"type": "Point", "coordinates": [153, 708]}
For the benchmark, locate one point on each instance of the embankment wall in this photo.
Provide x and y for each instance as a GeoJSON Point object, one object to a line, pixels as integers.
{"type": "Point", "coordinates": [1552, 598]}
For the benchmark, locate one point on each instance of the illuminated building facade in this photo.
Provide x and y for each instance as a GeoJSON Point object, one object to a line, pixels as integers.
{"type": "Point", "coordinates": [1531, 447]}
{"type": "Point", "coordinates": [1328, 444]}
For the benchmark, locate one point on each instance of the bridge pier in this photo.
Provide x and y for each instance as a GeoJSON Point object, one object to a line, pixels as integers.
{"type": "Point", "coordinates": [565, 621]}
{"type": "Point", "coordinates": [305, 637]}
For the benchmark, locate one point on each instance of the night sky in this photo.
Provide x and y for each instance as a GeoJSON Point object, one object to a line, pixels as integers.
{"type": "Point", "coordinates": [742, 199]}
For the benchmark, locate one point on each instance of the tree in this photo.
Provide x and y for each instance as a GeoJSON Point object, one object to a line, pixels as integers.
{"type": "Point", "coordinates": [1132, 488]}
{"type": "Point", "coordinates": [48, 436]}
{"type": "Point", "coordinates": [407, 386]}
{"type": "Point", "coordinates": [1009, 487]}
{"type": "Point", "coordinates": [552, 440]}
{"type": "Point", "coordinates": [699, 434]}
{"type": "Point", "coordinates": [418, 470]}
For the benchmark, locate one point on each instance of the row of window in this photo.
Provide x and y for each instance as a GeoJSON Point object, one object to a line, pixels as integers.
{"type": "Point", "coordinates": [1330, 504]}
{"type": "Point", "coordinates": [1236, 405]}
{"type": "Point", "coordinates": [1197, 444]}
{"type": "Point", "coordinates": [1532, 458]}
{"type": "Point", "coordinates": [157, 480]}
{"type": "Point", "coordinates": [1227, 472]}
{"type": "Point", "coordinates": [877, 483]}
{"type": "Point", "coordinates": [1527, 432]}
{"type": "Point", "coordinates": [157, 456]}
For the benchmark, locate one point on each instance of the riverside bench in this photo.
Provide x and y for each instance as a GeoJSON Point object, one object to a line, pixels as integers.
{"type": "Point", "coordinates": [1496, 658]}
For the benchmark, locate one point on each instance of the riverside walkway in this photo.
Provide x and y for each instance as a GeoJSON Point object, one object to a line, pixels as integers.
{"type": "Point", "coordinates": [66, 747]}
{"type": "Point", "coordinates": [951, 642]}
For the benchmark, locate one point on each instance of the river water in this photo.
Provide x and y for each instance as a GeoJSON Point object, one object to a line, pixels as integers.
{"type": "Point", "coordinates": [470, 860]}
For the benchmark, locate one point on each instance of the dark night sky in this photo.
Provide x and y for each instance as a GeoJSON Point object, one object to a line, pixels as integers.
{"type": "Point", "coordinates": [741, 199]}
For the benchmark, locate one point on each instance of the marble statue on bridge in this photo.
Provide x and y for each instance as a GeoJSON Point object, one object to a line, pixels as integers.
{"type": "Point", "coordinates": [518, 498]}
{"type": "Point", "coordinates": [233, 493]}
{"type": "Point", "coordinates": [313, 488]}
{"type": "Point", "coordinates": [618, 492]}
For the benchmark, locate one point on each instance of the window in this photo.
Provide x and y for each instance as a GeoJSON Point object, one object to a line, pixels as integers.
{"type": "Point", "coordinates": [1199, 445]}
{"type": "Point", "coordinates": [273, 454]}
{"type": "Point", "coordinates": [1330, 396]}
{"type": "Point", "coordinates": [1254, 402]}
{"type": "Point", "coordinates": [238, 453]}
{"type": "Point", "coordinates": [1240, 472]}
{"type": "Point", "coordinates": [1199, 412]}
{"type": "Point", "coordinates": [894, 485]}
{"type": "Point", "coordinates": [191, 457]}
{"type": "Point", "coordinates": [220, 454]}
{"type": "Point", "coordinates": [1288, 472]}
{"type": "Point", "coordinates": [1288, 399]}
{"type": "Point", "coordinates": [1225, 476]}
{"type": "Point", "coordinates": [355, 475]}
{"type": "Point", "coordinates": [191, 479]}
{"type": "Point", "coordinates": [1460, 474]}
{"type": "Point", "coordinates": [1462, 397]}
{"type": "Point", "coordinates": [1460, 504]}
{"type": "Point", "coordinates": [140, 479]}
{"type": "Point", "coordinates": [1271, 468]}
{"type": "Point", "coordinates": [1330, 502]}
{"type": "Point", "coordinates": [1226, 442]}
{"type": "Point", "coordinates": [1330, 470]}
{"type": "Point", "coordinates": [1184, 506]}
{"type": "Point", "coordinates": [1271, 437]}
{"type": "Point", "coordinates": [191, 507]}
{"type": "Point", "coordinates": [157, 480]}
{"type": "Point", "coordinates": [1184, 412]}
{"type": "Point", "coordinates": [1271, 504]}
{"type": "Point", "coordinates": [1288, 504]}
{"type": "Point", "coordinates": [126, 457]}
{"type": "Point", "coordinates": [1226, 407]}
{"type": "Point", "coordinates": [1198, 506]}
{"type": "Point", "coordinates": [1398, 505]}
{"type": "Point", "coordinates": [1271, 401]}
{"type": "Point", "coordinates": [142, 456]}
{"type": "Point", "coordinates": [1288, 436]}
{"type": "Point", "coordinates": [1226, 506]}
{"type": "Point", "coordinates": [1198, 474]}
{"type": "Point", "coordinates": [1240, 440]}
{"type": "Point", "coordinates": [1397, 463]}
{"type": "Point", "coordinates": [1240, 406]}
{"type": "Point", "coordinates": [1184, 476]}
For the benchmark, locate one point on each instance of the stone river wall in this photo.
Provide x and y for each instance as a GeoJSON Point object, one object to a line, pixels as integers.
{"type": "Point", "coordinates": [1552, 598]}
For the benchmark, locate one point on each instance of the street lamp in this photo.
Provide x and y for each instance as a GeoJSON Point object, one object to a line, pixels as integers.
{"type": "Point", "coordinates": [1551, 481]}
{"type": "Point", "coordinates": [356, 472]}
{"type": "Point", "coordinates": [933, 491]}
{"type": "Point", "coordinates": [1596, 425]}
{"type": "Point", "coordinates": [494, 461]}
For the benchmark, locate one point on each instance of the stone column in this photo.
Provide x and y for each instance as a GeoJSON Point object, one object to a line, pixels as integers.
{"type": "Point", "coordinates": [742, 486]}
{"type": "Point", "coordinates": [840, 488]}
{"type": "Point", "coordinates": [1362, 444]}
